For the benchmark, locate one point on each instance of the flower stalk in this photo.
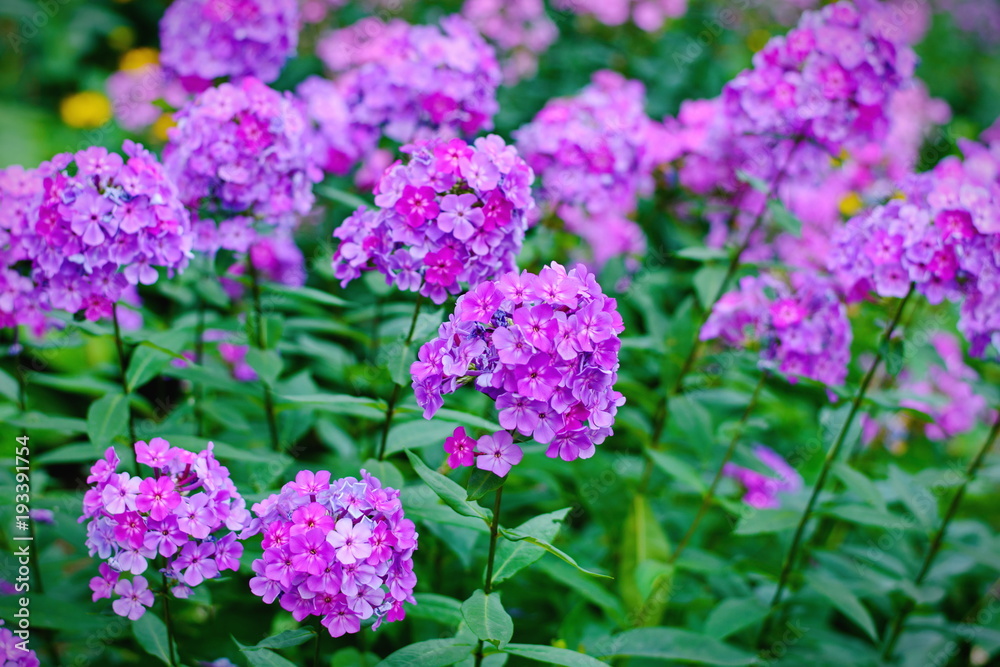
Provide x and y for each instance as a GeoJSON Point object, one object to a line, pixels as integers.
{"type": "Point", "coordinates": [260, 340]}
{"type": "Point", "coordinates": [390, 409]}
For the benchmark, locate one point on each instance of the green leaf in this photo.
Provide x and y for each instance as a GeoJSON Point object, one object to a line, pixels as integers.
{"type": "Point", "coordinates": [36, 421]}
{"type": "Point", "coordinates": [107, 419]}
{"type": "Point", "coordinates": [703, 254]}
{"type": "Point", "coordinates": [677, 469]}
{"type": "Point", "coordinates": [151, 634]}
{"type": "Point", "coordinates": [591, 589]}
{"type": "Point", "coordinates": [866, 516]}
{"type": "Point", "coordinates": [707, 283]}
{"type": "Point", "coordinates": [451, 493]}
{"type": "Point", "coordinates": [511, 557]}
{"type": "Point", "coordinates": [760, 522]}
{"type": "Point", "coordinates": [284, 639]}
{"type": "Point", "coordinates": [733, 615]}
{"type": "Point", "coordinates": [552, 655]}
{"type": "Point", "coordinates": [516, 536]}
{"type": "Point", "coordinates": [399, 360]}
{"type": "Point", "coordinates": [307, 294]}
{"type": "Point", "coordinates": [844, 600]}
{"type": "Point", "coordinates": [146, 363]}
{"type": "Point", "coordinates": [482, 482]}
{"type": "Point", "coordinates": [488, 620]}
{"type": "Point", "coordinates": [267, 363]}
{"type": "Point", "coordinates": [784, 218]}
{"type": "Point", "coordinates": [418, 434]}
{"type": "Point", "coordinates": [76, 453]}
{"type": "Point", "coordinates": [265, 658]}
{"type": "Point", "coordinates": [645, 551]}
{"type": "Point", "coordinates": [8, 387]}
{"type": "Point", "coordinates": [860, 485]}
{"type": "Point", "coordinates": [440, 608]}
{"type": "Point", "coordinates": [338, 404]}
{"type": "Point", "coordinates": [430, 653]}
{"type": "Point", "coordinates": [348, 199]}
{"type": "Point", "coordinates": [673, 644]}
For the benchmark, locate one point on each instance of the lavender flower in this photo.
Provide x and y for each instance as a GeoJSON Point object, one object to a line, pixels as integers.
{"type": "Point", "coordinates": [762, 490]}
{"type": "Point", "coordinates": [11, 652]}
{"type": "Point", "coordinates": [341, 550]}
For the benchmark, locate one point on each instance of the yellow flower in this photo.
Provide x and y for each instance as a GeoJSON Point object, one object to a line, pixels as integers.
{"type": "Point", "coordinates": [757, 39]}
{"type": "Point", "coordinates": [86, 109]}
{"type": "Point", "coordinates": [850, 204]}
{"type": "Point", "coordinates": [162, 124]}
{"type": "Point", "coordinates": [139, 58]}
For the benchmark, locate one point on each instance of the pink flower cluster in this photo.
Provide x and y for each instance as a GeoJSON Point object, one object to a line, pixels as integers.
{"type": "Point", "coordinates": [99, 225]}
{"type": "Point", "coordinates": [450, 213]}
{"type": "Point", "coordinates": [176, 514]}
{"type": "Point", "coordinates": [762, 490]}
{"type": "Point", "coordinates": [11, 654]}
{"type": "Point", "coordinates": [520, 28]}
{"type": "Point", "coordinates": [593, 155]}
{"type": "Point", "coordinates": [20, 297]}
{"type": "Point", "coordinates": [341, 550]}
{"type": "Point", "coordinates": [802, 328]}
{"type": "Point", "coordinates": [412, 81]}
{"type": "Point", "coordinates": [544, 347]}
{"type": "Point", "coordinates": [204, 40]}
{"type": "Point", "coordinates": [243, 150]}
{"type": "Point", "coordinates": [648, 15]}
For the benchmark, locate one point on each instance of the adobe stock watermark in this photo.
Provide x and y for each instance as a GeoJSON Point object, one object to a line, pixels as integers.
{"type": "Point", "coordinates": [23, 535]}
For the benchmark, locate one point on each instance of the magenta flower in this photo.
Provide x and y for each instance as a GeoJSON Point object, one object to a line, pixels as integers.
{"type": "Point", "coordinates": [104, 585]}
{"type": "Point", "coordinates": [460, 448]}
{"type": "Point", "coordinates": [761, 490]}
{"type": "Point", "coordinates": [340, 550]}
{"type": "Point", "coordinates": [497, 453]}
{"type": "Point", "coordinates": [158, 497]}
{"type": "Point", "coordinates": [544, 347]}
{"type": "Point", "coordinates": [197, 563]}
{"type": "Point", "coordinates": [134, 597]}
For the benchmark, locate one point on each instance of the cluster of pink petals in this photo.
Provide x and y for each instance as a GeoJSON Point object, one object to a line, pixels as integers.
{"type": "Point", "coordinates": [802, 327]}
{"type": "Point", "coordinates": [85, 228]}
{"type": "Point", "coordinates": [648, 15]}
{"type": "Point", "coordinates": [450, 213]}
{"type": "Point", "coordinates": [11, 653]}
{"type": "Point", "coordinates": [762, 490]}
{"type": "Point", "coordinates": [411, 81]}
{"type": "Point", "coordinates": [544, 348]}
{"type": "Point", "coordinates": [276, 258]}
{"type": "Point", "coordinates": [520, 28]}
{"type": "Point", "coordinates": [594, 157]}
{"type": "Point", "coordinates": [204, 40]}
{"type": "Point", "coordinates": [341, 550]}
{"type": "Point", "coordinates": [187, 513]}
{"type": "Point", "coordinates": [243, 151]}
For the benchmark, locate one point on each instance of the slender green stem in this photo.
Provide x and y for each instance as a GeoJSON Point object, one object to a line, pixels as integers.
{"type": "Point", "coordinates": [831, 457]}
{"type": "Point", "coordinates": [938, 539]}
{"type": "Point", "coordinates": [488, 583]}
{"type": "Point", "coordinates": [319, 638]}
{"type": "Point", "coordinates": [199, 357]}
{"type": "Point", "coordinates": [261, 342]}
{"type": "Point", "coordinates": [168, 621]}
{"type": "Point", "coordinates": [390, 409]}
{"type": "Point", "coordinates": [123, 367]}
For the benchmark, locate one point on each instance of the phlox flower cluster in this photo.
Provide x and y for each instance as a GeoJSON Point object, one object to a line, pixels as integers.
{"type": "Point", "coordinates": [187, 513]}
{"type": "Point", "coordinates": [103, 223]}
{"type": "Point", "coordinates": [243, 150]}
{"type": "Point", "coordinates": [813, 96]}
{"type": "Point", "coordinates": [411, 81]}
{"type": "Point", "coordinates": [802, 328]}
{"type": "Point", "coordinates": [762, 490]}
{"type": "Point", "coordinates": [648, 15]}
{"type": "Point", "coordinates": [592, 153]}
{"type": "Point", "coordinates": [11, 654]}
{"type": "Point", "coordinates": [204, 40]}
{"type": "Point", "coordinates": [520, 28]}
{"type": "Point", "coordinates": [544, 348]}
{"type": "Point", "coordinates": [341, 550]}
{"type": "Point", "coordinates": [450, 213]}
{"type": "Point", "coordinates": [20, 296]}
{"type": "Point", "coordinates": [944, 391]}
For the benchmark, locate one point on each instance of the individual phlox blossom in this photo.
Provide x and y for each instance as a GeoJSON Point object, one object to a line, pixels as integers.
{"type": "Point", "coordinates": [204, 40]}
{"type": "Point", "coordinates": [802, 328]}
{"type": "Point", "coordinates": [593, 159]}
{"type": "Point", "coordinates": [944, 391]}
{"type": "Point", "coordinates": [341, 550]}
{"type": "Point", "coordinates": [520, 28]}
{"type": "Point", "coordinates": [413, 81]}
{"type": "Point", "coordinates": [105, 223]}
{"type": "Point", "coordinates": [244, 149]}
{"type": "Point", "coordinates": [451, 213]}
{"type": "Point", "coordinates": [648, 15]}
{"type": "Point", "coordinates": [11, 652]}
{"type": "Point", "coordinates": [276, 259]}
{"type": "Point", "coordinates": [762, 490]}
{"type": "Point", "coordinates": [188, 512]}
{"type": "Point", "coordinates": [544, 348]}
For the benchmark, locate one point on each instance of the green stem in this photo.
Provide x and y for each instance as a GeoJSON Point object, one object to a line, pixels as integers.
{"type": "Point", "coordinates": [831, 457]}
{"type": "Point", "coordinates": [390, 409]}
{"type": "Point", "coordinates": [199, 356]}
{"type": "Point", "coordinates": [261, 342]}
{"type": "Point", "coordinates": [319, 637]}
{"type": "Point", "coordinates": [168, 621]}
{"type": "Point", "coordinates": [123, 367]}
{"type": "Point", "coordinates": [488, 583]}
{"type": "Point", "coordinates": [938, 539]}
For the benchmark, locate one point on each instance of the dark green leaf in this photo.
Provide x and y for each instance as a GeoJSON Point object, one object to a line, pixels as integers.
{"type": "Point", "coordinates": [487, 618]}
{"type": "Point", "coordinates": [759, 522]}
{"type": "Point", "coordinates": [440, 608]}
{"type": "Point", "coordinates": [843, 599]}
{"type": "Point", "coordinates": [145, 364]}
{"type": "Point", "coordinates": [107, 419]}
{"type": "Point", "coordinates": [430, 653]}
{"type": "Point", "coordinates": [511, 557]}
{"type": "Point", "coordinates": [515, 536]}
{"type": "Point", "coordinates": [285, 639]}
{"type": "Point", "coordinates": [733, 615]}
{"type": "Point", "coordinates": [482, 482]}
{"type": "Point", "coordinates": [151, 635]}
{"type": "Point", "coordinates": [451, 493]}
{"type": "Point", "coordinates": [552, 656]}
{"type": "Point", "coordinates": [672, 644]}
